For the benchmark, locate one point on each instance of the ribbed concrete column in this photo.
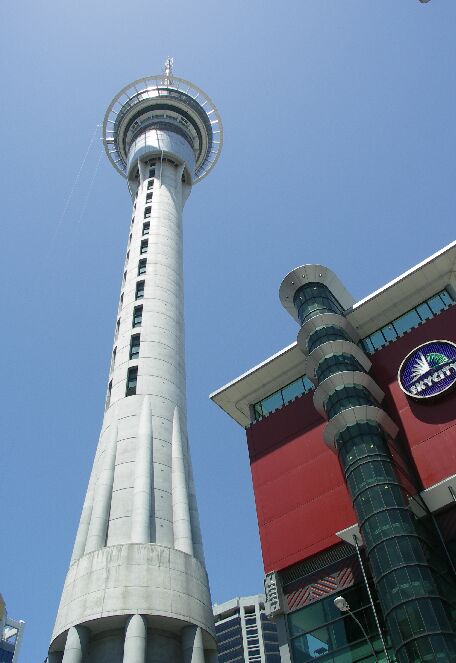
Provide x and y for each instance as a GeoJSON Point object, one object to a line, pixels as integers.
{"type": "Point", "coordinates": [84, 521]}
{"type": "Point", "coordinates": [76, 645]}
{"type": "Point", "coordinates": [143, 480]}
{"type": "Point", "coordinates": [197, 538]}
{"type": "Point", "coordinates": [99, 521]}
{"type": "Point", "coordinates": [135, 640]}
{"type": "Point", "coordinates": [192, 645]}
{"type": "Point", "coordinates": [181, 509]}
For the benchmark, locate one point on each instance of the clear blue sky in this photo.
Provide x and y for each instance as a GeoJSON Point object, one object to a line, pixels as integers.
{"type": "Point", "coordinates": [340, 133]}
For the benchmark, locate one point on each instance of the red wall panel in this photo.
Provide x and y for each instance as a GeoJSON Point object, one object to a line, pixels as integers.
{"type": "Point", "coordinates": [300, 493]}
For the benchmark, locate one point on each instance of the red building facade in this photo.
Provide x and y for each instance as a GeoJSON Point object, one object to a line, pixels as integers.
{"type": "Point", "coordinates": [305, 513]}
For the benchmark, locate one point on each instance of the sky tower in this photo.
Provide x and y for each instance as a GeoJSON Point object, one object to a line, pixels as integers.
{"type": "Point", "coordinates": [137, 589]}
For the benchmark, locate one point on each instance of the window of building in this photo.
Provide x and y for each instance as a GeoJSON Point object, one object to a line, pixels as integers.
{"type": "Point", "coordinates": [147, 212]}
{"type": "Point", "coordinates": [132, 380]}
{"type": "Point", "coordinates": [146, 228]}
{"type": "Point", "coordinates": [404, 323]}
{"type": "Point", "coordinates": [319, 630]}
{"type": "Point", "coordinates": [125, 276]}
{"type": "Point", "coordinates": [117, 327]}
{"type": "Point", "coordinates": [127, 256]}
{"type": "Point", "coordinates": [113, 360]}
{"type": "Point", "coordinates": [108, 395]}
{"type": "Point", "coordinates": [134, 346]}
{"type": "Point", "coordinates": [121, 301]}
{"type": "Point", "coordinates": [139, 290]}
{"type": "Point", "coordinates": [149, 197]}
{"type": "Point", "coordinates": [129, 239]}
{"type": "Point", "coordinates": [150, 184]}
{"type": "Point", "coordinates": [142, 266]}
{"type": "Point", "coordinates": [144, 246]}
{"type": "Point", "coordinates": [282, 396]}
{"type": "Point", "coordinates": [152, 171]}
{"type": "Point", "coordinates": [133, 219]}
{"type": "Point", "coordinates": [137, 316]}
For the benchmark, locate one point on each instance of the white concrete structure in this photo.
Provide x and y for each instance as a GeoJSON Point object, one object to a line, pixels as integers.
{"type": "Point", "coordinates": [11, 634]}
{"type": "Point", "coordinates": [137, 589]}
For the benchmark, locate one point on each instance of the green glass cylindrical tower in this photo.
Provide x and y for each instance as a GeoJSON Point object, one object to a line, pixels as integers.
{"type": "Point", "coordinates": [358, 430]}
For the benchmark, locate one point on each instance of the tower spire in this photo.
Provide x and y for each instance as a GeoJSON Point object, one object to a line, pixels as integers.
{"type": "Point", "coordinates": [168, 71]}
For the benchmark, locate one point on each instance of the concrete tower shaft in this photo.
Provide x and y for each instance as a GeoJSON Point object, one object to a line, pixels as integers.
{"type": "Point", "coordinates": [137, 587]}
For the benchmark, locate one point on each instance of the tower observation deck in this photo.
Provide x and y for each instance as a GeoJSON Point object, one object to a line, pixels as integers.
{"type": "Point", "coordinates": [137, 590]}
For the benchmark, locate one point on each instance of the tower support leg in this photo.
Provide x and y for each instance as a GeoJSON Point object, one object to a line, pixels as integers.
{"type": "Point", "coordinates": [76, 645]}
{"type": "Point", "coordinates": [192, 644]}
{"type": "Point", "coordinates": [135, 640]}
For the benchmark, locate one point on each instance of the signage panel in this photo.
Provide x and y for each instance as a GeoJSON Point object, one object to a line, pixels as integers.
{"type": "Point", "coordinates": [429, 370]}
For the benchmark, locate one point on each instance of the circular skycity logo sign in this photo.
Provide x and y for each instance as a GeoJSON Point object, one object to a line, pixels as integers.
{"type": "Point", "coordinates": [429, 370]}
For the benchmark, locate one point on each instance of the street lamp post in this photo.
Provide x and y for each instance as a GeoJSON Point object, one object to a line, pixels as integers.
{"type": "Point", "coordinates": [342, 605]}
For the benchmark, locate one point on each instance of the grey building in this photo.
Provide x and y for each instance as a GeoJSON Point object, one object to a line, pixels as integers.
{"type": "Point", "coordinates": [244, 633]}
{"type": "Point", "coordinates": [137, 590]}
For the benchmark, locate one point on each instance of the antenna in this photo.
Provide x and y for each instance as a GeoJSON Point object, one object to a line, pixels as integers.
{"type": "Point", "coordinates": [168, 71]}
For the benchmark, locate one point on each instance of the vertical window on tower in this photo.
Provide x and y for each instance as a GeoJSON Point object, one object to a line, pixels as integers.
{"type": "Point", "coordinates": [127, 257]}
{"type": "Point", "coordinates": [147, 212]}
{"type": "Point", "coordinates": [144, 246]}
{"type": "Point", "coordinates": [152, 171]}
{"type": "Point", "coordinates": [125, 276]}
{"type": "Point", "coordinates": [113, 360]}
{"type": "Point", "coordinates": [149, 197]}
{"type": "Point", "coordinates": [146, 228]}
{"type": "Point", "coordinates": [132, 380]}
{"type": "Point", "coordinates": [135, 342]}
{"type": "Point", "coordinates": [121, 301]}
{"type": "Point", "coordinates": [139, 290]}
{"type": "Point", "coordinates": [117, 327]}
{"type": "Point", "coordinates": [137, 316]}
{"type": "Point", "coordinates": [129, 240]}
{"type": "Point", "coordinates": [142, 266]}
{"type": "Point", "coordinates": [150, 185]}
{"type": "Point", "coordinates": [108, 395]}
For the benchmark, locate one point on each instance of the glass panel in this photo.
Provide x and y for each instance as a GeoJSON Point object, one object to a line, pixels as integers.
{"type": "Point", "coordinates": [377, 340]}
{"type": "Point", "coordinates": [272, 402]}
{"type": "Point", "coordinates": [292, 390]}
{"type": "Point", "coordinates": [436, 304]}
{"type": "Point", "coordinates": [389, 333]}
{"type": "Point", "coordinates": [258, 411]}
{"type": "Point", "coordinates": [446, 297]}
{"type": "Point", "coordinates": [406, 322]}
{"type": "Point", "coordinates": [424, 311]}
